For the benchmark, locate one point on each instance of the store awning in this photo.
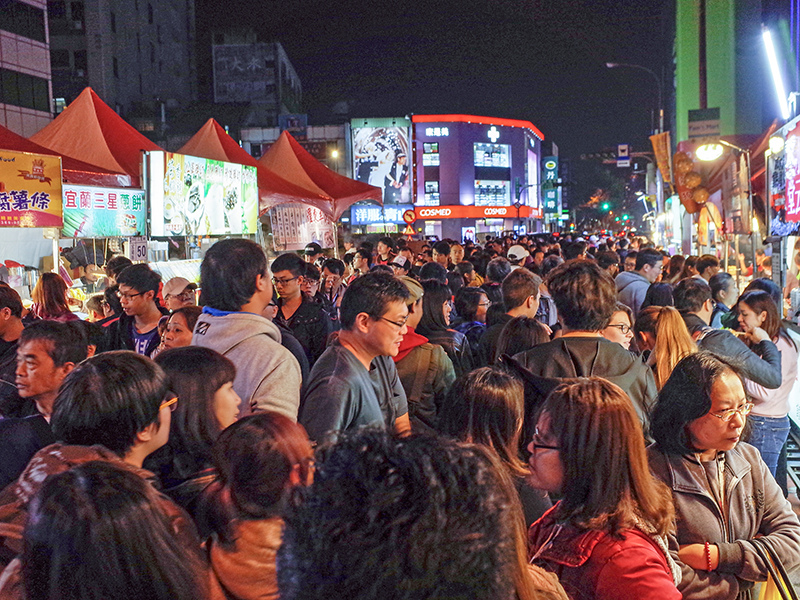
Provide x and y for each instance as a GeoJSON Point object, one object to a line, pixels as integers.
{"type": "Point", "coordinates": [213, 142]}
{"type": "Point", "coordinates": [287, 157]}
{"type": "Point", "coordinates": [72, 170]}
{"type": "Point", "coordinates": [89, 130]}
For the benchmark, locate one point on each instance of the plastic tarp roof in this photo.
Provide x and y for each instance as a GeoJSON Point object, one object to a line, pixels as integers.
{"type": "Point", "coordinates": [287, 157]}
{"type": "Point", "coordinates": [89, 130]}
{"type": "Point", "coordinates": [72, 170]}
{"type": "Point", "coordinates": [213, 142]}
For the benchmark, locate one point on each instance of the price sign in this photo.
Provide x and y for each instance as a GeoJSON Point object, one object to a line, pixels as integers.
{"type": "Point", "coordinates": [137, 248]}
{"type": "Point", "coordinates": [409, 216]}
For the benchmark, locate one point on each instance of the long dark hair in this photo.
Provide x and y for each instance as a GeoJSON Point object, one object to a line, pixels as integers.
{"type": "Point", "coordinates": [761, 301]}
{"type": "Point", "coordinates": [435, 295]}
{"type": "Point", "coordinates": [254, 457]}
{"type": "Point", "coordinates": [195, 374]}
{"type": "Point", "coordinates": [607, 482]}
{"type": "Point", "coordinates": [98, 531]}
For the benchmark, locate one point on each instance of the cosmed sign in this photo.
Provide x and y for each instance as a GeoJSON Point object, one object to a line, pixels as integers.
{"type": "Point", "coordinates": [198, 196]}
{"type": "Point", "coordinates": [103, 212]}
{"type": "Point", "coordinates": [30, 190]}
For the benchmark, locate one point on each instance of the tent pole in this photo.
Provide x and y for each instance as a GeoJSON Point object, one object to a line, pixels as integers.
{"type": "Point", "coordinates": [335, 240]}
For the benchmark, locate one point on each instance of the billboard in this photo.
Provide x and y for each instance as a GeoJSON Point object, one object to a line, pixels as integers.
{"type": "Point", "coordinates": [103, 212]}
{"type": "Point", "coordinates": [792, 166]}
{"type": "Point", "coordinates": [244, 72]}
{"type": "Point", "coordinates": [382, 157]}
{"type": "Point", "coordinates": [368, 215]}
{"type": "Point", "coordinates": [198, 196]}
{"type": "Point", "coordinates": [30, 190]}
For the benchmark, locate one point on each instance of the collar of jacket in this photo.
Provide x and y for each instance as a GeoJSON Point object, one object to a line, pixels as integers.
{"type": "Point", "coordinates": [565, 544]}
{"type": "Point", "coordinates": [688, 476]}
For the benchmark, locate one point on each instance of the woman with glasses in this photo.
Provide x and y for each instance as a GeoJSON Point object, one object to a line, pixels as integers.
{"type": "Point", "coordinates": [471, 305]}
{"type": "Point", "coordinates": [723, 492]}
{"type": "Point", "coordinates": [620, 327]}
{"type": "Point", "coordinates": [435, 325]}
{"type": "Point", "coordinates": [606, 537]}
{"type": "Point", "coordinates": [661, 332]}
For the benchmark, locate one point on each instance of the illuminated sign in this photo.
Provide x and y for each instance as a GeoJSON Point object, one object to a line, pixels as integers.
{"type": "Point", "coordinates": [493, 134]}
{"type": "Point", "coordinates": [437, 131]}
{"type": "Point", "coordinates": [103, 212]}
{"type": "Point", "coordinates": [30, 190]}
{"type": "Point", "coordinates": [471, 212]}
{"type": "Point", "coordinates": [367, 215]}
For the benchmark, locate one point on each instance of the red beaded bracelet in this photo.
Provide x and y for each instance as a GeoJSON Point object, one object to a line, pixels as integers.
{"type": "Point", "coordinates": [708, 557]}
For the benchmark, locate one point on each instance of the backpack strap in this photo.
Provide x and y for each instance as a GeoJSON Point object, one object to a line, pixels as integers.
{"type": "Point", "coordinates": [423, 364]}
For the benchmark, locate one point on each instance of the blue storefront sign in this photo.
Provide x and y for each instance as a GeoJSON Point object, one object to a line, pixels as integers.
{"type": "Point", "coordinates": [368, 215]}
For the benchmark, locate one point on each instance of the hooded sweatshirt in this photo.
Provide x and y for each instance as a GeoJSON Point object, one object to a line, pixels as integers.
{"type": "Point", "coordinates": [267, 375]}
{"type": "Point", "coordinates": [631, 289]}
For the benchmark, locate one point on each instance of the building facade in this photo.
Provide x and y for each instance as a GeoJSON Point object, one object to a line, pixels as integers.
{"type": "Point", "coordinates": [25, 81]}
{"type": "Point", "coordinates": [137, 55]}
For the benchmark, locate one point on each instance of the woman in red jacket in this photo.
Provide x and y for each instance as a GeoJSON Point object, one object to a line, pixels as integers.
{"type": "Point", "coordinates": [606, 537]}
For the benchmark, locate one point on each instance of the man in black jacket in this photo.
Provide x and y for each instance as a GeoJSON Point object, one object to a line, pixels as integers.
{"type": "Point", "coordinates": [760, 363]}
{"type": "Point", "coordinates": [11, 326]}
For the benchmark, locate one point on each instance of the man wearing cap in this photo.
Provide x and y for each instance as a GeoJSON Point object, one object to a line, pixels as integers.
{"type": "Point", "coordinates": [179, 292]}
{"type": "Point", "coordinates": [401, 266]}
{"type": "Point", "coordinates": [312, 253]}
{"type": "Point", "coordinates": [517, 255]}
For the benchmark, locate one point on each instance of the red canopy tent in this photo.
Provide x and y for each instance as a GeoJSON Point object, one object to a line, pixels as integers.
{"type": "Point", "coordinates": [213, 142]}
{"type": "Point", "coordinates": [89, 130]}
{"type": "Point", "coordinates": [288, 157]}
{"type": "Point", "coordinates": [72, 170]}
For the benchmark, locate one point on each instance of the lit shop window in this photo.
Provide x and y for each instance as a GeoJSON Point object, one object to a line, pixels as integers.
{"type": "Point", "coordinates": [492, 193]}
{"type": "Point", "coordinates": [492, 155]}
{"type": "Point", "coordinates": [431, 194]}
{"type": "Point", "coordinates": [430, 154]}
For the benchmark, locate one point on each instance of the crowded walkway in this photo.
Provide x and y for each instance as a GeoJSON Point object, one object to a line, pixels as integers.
{"type": "Point", "coordinates": [526, 418]}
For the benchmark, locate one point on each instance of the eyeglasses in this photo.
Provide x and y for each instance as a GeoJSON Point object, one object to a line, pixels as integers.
{"type": "Point", "coordinates": [727, 415]}
{"type": "Point", "coordinates": [172, 403]}
{"type": "Point", "coordinates": [283, 281]}
{"type": "Point", "coordinates": [399, 325]}
{"type": "Point", "coordinates": [185, 296]}
{"type": "Point", "coordinates": [535, 444]}
{"type": "Point", "coordinates": [487, 303]}
{"type": "Point", "coordinates": [624, 329]}
{"type": "Point", "coordinates": [122, 296]}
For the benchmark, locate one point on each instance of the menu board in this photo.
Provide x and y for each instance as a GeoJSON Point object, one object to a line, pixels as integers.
{"type": "Point", "coordinates": [103, 212]}
{"type": "Point", "coordinates": [295, 225]}
{"type": "Point", "coordinates": [30, 190]}
{"type": "Point", "coordinates": [199, 196]}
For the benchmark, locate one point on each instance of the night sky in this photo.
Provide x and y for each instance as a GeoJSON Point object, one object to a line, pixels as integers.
{"type": "Point", "coordinates": [524, 59]}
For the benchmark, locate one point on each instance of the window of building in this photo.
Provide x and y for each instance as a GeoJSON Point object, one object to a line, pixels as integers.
{"type": "Point", "coordinates": [76, 10]}
{"type": "Point", "coordinates": [57, 9]}
{"type": "Point", "coordinates": [150, 14]}
{"type": "Point", "coordinates": [80, 61]}
{"type": "Point", "coordinates": [113, 22]}
{"type": "Point", "coordinates": [492, 193]}
{"type": "Point", "coordinates": [24, 90]}
{"type": "Point", "coordinates": [430, 154]}
{"type": "Point", "coordinates": [492, 155]}
{"type": "Point", "coordinates": [59, 59]}
{"type": "Point", "coordinates": [22, 19]}
{"type": "Point", "coordinates": [152, 54]}
{"type": "Point", "coordinates": [115, 66]}
{"type": "Point", "coordinates": [432, 197]}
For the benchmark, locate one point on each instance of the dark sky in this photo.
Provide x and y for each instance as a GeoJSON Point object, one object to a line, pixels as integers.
{"type": "Point", "coordinates": [524, 59]}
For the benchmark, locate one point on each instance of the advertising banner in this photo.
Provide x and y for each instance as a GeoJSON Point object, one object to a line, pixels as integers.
{"type": "Point", "coordinates": [661, 149]}
{"type": "Point", "coordinates": [202, 197]}
{"type": "Point", "coordinates": [792, 162]}
{"type": "Point", "coordinates": [30, 190]}
{"type": "Point", "coordinates": [381, 157]}
{"type": "Point", "coordinates": [367, 215]}
{"type": "Point", "coordinates": [295, 225]}
{"type": "Point", "coordinates": [103, 212]}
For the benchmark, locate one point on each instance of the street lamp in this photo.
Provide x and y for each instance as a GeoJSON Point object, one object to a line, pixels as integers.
{"type": "Point", "coordinates": [611, 65]}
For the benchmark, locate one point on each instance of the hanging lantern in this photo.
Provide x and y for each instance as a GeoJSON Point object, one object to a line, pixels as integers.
{"type": "Point", "coordinates": [683, 166]}
{"type": "Point", "coordinates": [700, 195]}
{"type": "Point", "coordinates": [692, 179]}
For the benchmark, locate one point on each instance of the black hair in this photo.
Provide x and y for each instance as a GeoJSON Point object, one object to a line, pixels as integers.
{"type": "Point", "coordinates": [381, 268]}
{"type": "Point", "coordinates": [607, 259]}
{"type": "Point", "coordinates": [310, 271]}
{"type": "Point", "coordinates": [574, 250]}
{"type": "Point", "coordinates": [766, 284]}
{"type": "Point", "coordinates": [497, 269]}
{"type": "Point", "coordinates": [690, 294]}
{"type": "Point", "coordinates": [388, 241]}
{"type": "Point", "coordinates": [658, 294]}
{"type": "Point", "coordinates": [289, 262]}
{"type": "Point", "coordinates": [141, 278]}
{"type": "Point", "coordinates": [518, 286]}
{"type": "Point", "coordinates": [686, 396]}
{"type": "Point", "coordinates": [108, 399]}
{"type": "Point", "coordinates": [720, 283]}
{"type": "Point", "coordinates": [93, 532]}
{"type": "Point", "coordinates": [584, 294]}
{"type": "Point", "coordinates": [110, 297]}
{"type": "Point", "coordinates": [442, 248]}
{"type": "Point", "coordinates": [648, 256]}
{"type": "Point", "coordinates": [549, 263]}
{"type": "Point", "coordinates": [116, 264]}
{"type": "Point", "coordinates": [365, 253]}
{"type": "Point", "coordinates": [371, 293]}
{"type": "Point", "coordinates": [65, 343]}
{"type": "Point", "coordinates": [94, 333]}
{"type": "Point", "coordinates": [433, 271]}
{"type": "Point", "coordinates": [467, 301]}
{"type": "Point", "coordinates": [433, 299]}
{"type": "Point", "coordinates": [334, 265]}
{"type": "Point", "coordinates": [9, 298]}
{"type": "Point", "coordinates": [706, 261]}
{"type": "Point", "coordinates": [228, 273]}
{"type": "Point", "coordinates": [420, 517]}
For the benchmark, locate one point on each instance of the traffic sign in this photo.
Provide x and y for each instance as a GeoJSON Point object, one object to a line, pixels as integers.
{"type": "Point", "coordinates": [409, 230]}
{"type": "Point", "coordinates": [623, 155]}
{"type": "Point", "coordinates": [409, 217]}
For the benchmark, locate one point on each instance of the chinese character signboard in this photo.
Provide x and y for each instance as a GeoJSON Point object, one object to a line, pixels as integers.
{"type": "Point", "coordinates": [30, 190]}
{"type": "Point", "coordinates": [198, 196]}
{"type": "Point", "coordinates": [368, 215]}
{"type": "Point", "coordinates": [295, 225]}
{"type": "Point", "coordinates": [103, 212]}
{"type": "Point", "coordinates": [792, 205]}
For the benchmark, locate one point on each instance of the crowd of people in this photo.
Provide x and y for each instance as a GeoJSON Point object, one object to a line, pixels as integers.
{"type": "Point", "coordinates": [531, 418]}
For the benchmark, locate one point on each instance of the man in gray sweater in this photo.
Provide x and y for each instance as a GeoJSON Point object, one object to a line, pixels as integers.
{"type": "Point", "coordinates": [235, 289]}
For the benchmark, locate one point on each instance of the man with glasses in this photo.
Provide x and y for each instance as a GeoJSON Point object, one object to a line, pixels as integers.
{"type": "Point", "coordinates": [179, 292]}
{"type": "Point", "coordinates": [137, 327]}
{"type": "Point", "coordinates": [236, 291]}
{"type": "Point", "coordinates": [355, 383]}
{"type": "Point", "coordinates": [297, 312]}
